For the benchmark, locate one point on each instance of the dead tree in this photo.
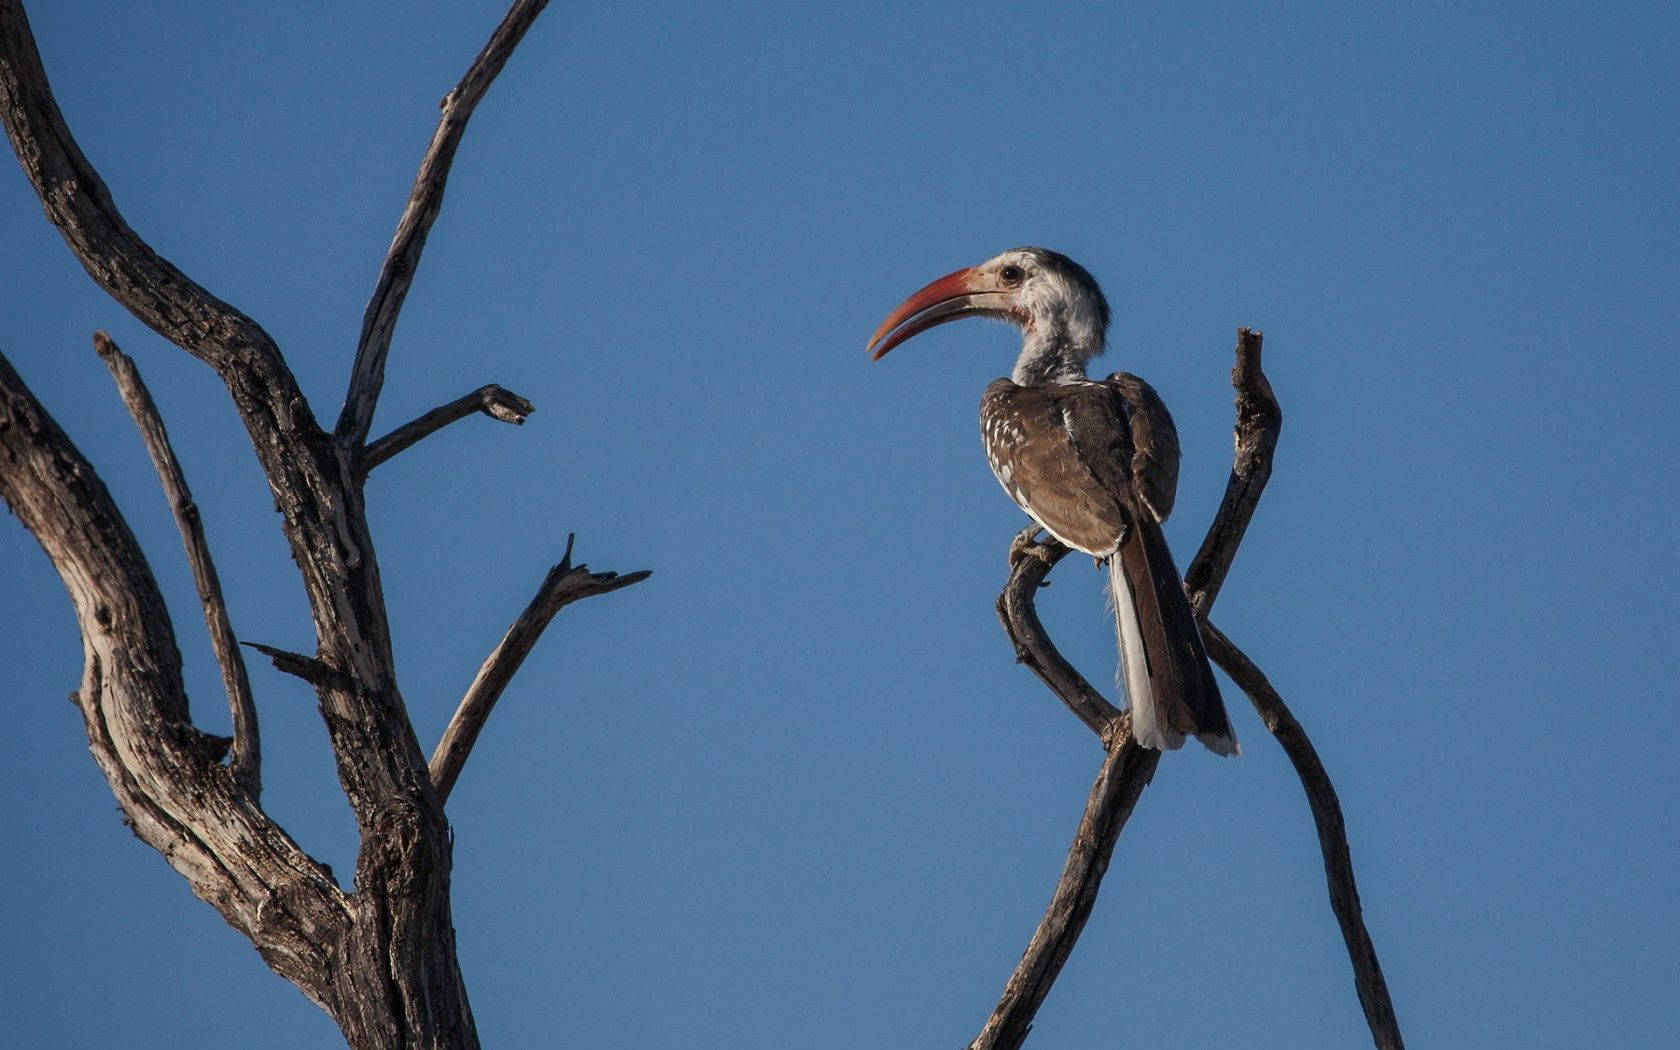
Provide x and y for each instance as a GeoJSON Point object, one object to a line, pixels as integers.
{"type": "Point", "coordinates": [380, 959]}
{"type": "Point", "coordinates": [1127, 768]}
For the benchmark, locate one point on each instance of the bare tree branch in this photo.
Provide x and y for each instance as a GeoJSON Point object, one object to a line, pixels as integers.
{"type": "Point", "coordinates": [1030, 562]}
{"type": "Point", "coordinates": [298, 665]}
{"type": "Point", "coordinates": [564, 584]}
{"type": "Point", "coordinates": [1127, 768]}
{"type": "Point", "coordinates": [1332, 833]}
{"type": "Point", "coordinates": [1259, 421]}
{"type": "Point", "coordinates": [1122, 777]}
{"type": "Point", "coordinates": [1126, 771]}
{"type": "Point", "coordinates": [246, 762]}
{"type": "Point", "coordinates": [367, 375]}
{"type": "Point", "coordinates": [492, 400]}
{"type": "Point", "coordinates": [78, 203]}
{"type": "Point", "coordinates": [163, 771]}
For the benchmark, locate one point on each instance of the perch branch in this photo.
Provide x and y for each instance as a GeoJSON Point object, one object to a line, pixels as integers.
{"type": "Point", "coordinates": [492, 400]}
{"type": "Point", "coordinates": [425, 200]}
{"type": "Point", "coordinates": [1332, 833]}
{"type": "Point", "coordinates": [1258, 421]}
{"type": "Point", "coordinates": [564, 584]}
{"type": "Point", "coordinates": [246, 763]}
{"type": "Point", "coordinates": [1030, 563]}
{"type": "Point", "coordinates": [1126, 771]}
{"type": "Point", "coordinates": [1127, 768]}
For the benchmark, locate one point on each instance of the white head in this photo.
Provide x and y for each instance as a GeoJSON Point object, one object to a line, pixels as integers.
{"type": "Point", "coordinates": [1055, 302]}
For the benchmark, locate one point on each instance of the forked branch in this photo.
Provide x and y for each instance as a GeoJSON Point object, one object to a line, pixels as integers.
{"type": "Point", "coordinates": [246, 762]}
{"type": "Point", "coordinates": [1258, 422]}
{"type": "Point", "coordinates": [425, 200]}
{"type": "Point", "coordinates": [1122, 777]}
{"type": "Point", "coordinates": [162, 770]}
{"type": "Point", "coordinates": [1127, 768]}
{"type": "Point", "coordinates": [564, 584]}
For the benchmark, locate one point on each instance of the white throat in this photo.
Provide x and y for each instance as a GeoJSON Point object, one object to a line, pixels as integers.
{"type": "Point", "coordinates": [1064, 329]}
{"type": "Point", "coordinates": [1048, 362]}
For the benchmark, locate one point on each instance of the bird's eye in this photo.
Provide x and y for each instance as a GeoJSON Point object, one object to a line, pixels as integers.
{"type": "Point", "coordinates": [1012, 275]}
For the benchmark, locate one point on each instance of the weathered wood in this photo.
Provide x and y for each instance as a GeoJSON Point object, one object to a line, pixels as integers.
{"type": "Point", "coordinates": [494, 401]}
{"type": "Point", "coordinates": [1030, 561]}
{"type": "Point", "coordinates": [298, 665]}
{"type": "Point", "coordinates": [425, 200]}
{"type": "Point", "coordinates": [1126, 770]}
{"type": "Point", "coordinates": [381, 959]}
{"type": "Point", "coordinates": [564, 584]}
{"type": "Point", "coordinates": [246, 761]}
{"type": "Point", "coordinates": [383, 990]}
{"type": "Point", "coordinates": [1332, 834]}
{"type": "Point", "coordinates": [1259, 422]}
{"type": "Point", "coordinates": [164, 772]}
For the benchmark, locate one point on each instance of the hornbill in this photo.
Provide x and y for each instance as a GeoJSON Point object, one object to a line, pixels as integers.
{"type": "Point", "coordinates": [1094, 463]}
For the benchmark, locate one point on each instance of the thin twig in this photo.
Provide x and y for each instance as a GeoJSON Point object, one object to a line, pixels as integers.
{"type": "Point", "coordinates": [425, 200]}
{"type": "Point", "coordinates": [492, 400]}
{"type": "Point", "coordinates": [564, 584]}
{"type": "Point", "coordinates": [1332, 833]}
{"type": "Point", "coordinates": [246, 763]}
{"type": "Point", "coordinates": [1122, 778]}
{"type": "Point", "coordinates": [297, 665]}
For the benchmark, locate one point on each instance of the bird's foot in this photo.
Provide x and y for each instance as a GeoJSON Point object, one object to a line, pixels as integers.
{"type": "Point", "coordinates": [1026, 545]}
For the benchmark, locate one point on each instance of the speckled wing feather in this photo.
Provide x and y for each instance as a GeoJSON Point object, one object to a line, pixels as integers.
{"type": "Point", "coordinates": [1033, 453]}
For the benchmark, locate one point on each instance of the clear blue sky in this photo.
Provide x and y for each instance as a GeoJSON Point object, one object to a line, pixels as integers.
{"type": "Point", "coordinates": [793, 791]}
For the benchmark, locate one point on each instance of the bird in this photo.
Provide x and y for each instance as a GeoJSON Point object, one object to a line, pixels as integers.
{"type": "Point", "coordinates": [1094, 463]}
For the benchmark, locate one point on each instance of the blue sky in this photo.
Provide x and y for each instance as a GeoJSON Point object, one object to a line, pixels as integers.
{"type": "Point", "coordinates": [793, 790]}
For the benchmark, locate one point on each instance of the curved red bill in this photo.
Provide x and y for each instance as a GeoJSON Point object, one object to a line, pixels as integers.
{"type": "Point", "coordinates": [942, 300]}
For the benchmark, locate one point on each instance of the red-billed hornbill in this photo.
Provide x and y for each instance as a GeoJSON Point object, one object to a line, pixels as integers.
{"type": "Point", "coordinates": [1094, 463]}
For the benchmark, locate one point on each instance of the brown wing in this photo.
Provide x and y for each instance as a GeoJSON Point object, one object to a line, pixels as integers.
{"type": "Point", "coordinates": [1034, 455]}
{"type": "Point", "coordinates": [1154, 443]}
{"type": "Point", "coordinates": [1123, 435]}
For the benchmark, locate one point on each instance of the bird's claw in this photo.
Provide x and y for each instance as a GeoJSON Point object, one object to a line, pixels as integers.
{"type": "Point", "coordinates": [1026, 545]}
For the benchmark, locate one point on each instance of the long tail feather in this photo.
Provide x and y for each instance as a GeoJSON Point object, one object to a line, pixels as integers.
{"type": "Point", "coordinates": [1147, 725]}
{"type": "Point", "coordinates": [1163, 665]}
